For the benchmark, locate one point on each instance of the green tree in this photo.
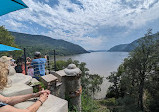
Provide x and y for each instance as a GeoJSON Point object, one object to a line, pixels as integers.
{"type": "Point", "coordinates": [7, 39]}
{"type": "Point", "coordinates": [138, 74]}
{"type": "Point", "coordinates": [95, 82]}
{"type": "Point", "coordinates": [143, 60]}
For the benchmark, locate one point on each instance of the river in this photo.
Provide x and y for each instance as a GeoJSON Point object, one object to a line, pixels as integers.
{"type": "Point", "coordinates": [101, 63]}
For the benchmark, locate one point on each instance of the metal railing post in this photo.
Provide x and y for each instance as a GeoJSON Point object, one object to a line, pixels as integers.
{"type": "Point", "coordinates": [55, 60]}
{"type": "Point", "coordinates": [25, 61]}
{"type": "Point", "coordinates": [48, 63]}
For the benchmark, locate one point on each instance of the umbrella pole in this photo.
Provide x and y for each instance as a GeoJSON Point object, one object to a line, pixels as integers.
{"type": "Point", "coordinates": [25, 61]}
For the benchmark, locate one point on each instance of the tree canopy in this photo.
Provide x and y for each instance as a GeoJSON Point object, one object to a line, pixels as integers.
{"type": "Point", "coordinates": [7, 39]}
{"type": "Point", "coordinates": [137, 78]}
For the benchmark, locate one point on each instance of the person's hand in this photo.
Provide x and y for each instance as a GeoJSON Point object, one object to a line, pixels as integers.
{"type": "Point", "coordinates": [45, 56]}
{"type": "Point", "coordinates": [43, 97]}
{"type": "Point", "coordinates": [42, 92]}
{"type": "Point", "coordinates": [28, 58]}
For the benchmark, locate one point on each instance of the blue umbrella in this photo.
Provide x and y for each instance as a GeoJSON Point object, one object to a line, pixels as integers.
{"type": "Point", "coordinates": [7, 6]}
{"type": "Point", "coordinates": [4, 48]}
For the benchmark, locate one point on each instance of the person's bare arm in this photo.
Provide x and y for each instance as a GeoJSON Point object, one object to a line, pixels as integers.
{"type": "Point", "coordinates": [32, 108]}
{"type": "Point", "coordinates": [17, 99]}
{"type": "Point", "coordinates": [9, 108]}
{"type": "Point", "coordinates": [35, 106]}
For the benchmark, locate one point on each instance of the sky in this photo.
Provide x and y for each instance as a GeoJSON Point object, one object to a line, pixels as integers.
{"type": "Point", "coordinates": [92, 24]}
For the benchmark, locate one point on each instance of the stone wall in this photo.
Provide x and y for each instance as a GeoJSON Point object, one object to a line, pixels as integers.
{"type": "Point", "coordinates": [19, 87]}
{"type": "Point", "coordinates": [64, 84]}
{"type": "Point", "coordinates": [71, 85]}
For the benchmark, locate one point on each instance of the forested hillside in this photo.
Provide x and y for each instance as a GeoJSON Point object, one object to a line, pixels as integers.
{"type": "Point", "coordinates": [118, 48]}
{"type": "Point", "coordinates": [135, 84]}
{"type": "Point", "coordinates": [131, 46]}
{"type": "Point", "coordinates": [46, 45]}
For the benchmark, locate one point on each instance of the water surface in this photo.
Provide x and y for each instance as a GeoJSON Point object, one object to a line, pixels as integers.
{"type": "Point", "coordinates": [101, 63]}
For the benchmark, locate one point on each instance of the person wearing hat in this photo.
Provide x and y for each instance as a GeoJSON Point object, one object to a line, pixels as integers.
{"type": "Point", "coordinates": [38, 64]}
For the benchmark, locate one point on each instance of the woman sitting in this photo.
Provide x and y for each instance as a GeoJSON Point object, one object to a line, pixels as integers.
{"type": "Point", "coordinates": [7, 103]}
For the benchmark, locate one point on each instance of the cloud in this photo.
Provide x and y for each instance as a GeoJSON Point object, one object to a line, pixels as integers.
{"type": "Point", "coordinates": [13, 24]}
{"type": "Point", "coordinates": [81, 21]}
{"type": "Point", "coordinates": [93, 43]}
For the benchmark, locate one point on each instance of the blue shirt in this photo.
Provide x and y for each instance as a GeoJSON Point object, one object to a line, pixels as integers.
{"type": "Point", "coordinates": [39, 67]}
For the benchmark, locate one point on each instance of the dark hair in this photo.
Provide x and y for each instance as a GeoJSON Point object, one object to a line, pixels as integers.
{"type": "Point", "coordinates": [20, 60]}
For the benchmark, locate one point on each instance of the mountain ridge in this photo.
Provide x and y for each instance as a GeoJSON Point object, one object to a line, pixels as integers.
{"type": "Point", "coordinates": [46, 45]}
{"type": "Point", "coordinates": [131, 46]}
